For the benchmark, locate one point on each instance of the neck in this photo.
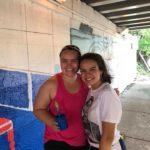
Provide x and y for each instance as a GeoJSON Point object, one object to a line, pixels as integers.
{"type": "Point", "coordinates": [96, 86]}
{"type": "Point", "coordinates": [69, 79]}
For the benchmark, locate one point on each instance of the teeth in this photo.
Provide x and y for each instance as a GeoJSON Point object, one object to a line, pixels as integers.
{"type": "Point", "coordinates": [88, 79]}
{"type": "Point", "coordinates": [69, 69]}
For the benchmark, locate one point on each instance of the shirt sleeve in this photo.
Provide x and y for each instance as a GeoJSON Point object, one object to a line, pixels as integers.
{"type": "Point", "coordinates": [110, 107]}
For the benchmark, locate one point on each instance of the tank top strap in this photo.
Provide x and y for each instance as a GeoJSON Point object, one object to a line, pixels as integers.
{"type": "Point", "coordinates": [59, 78]}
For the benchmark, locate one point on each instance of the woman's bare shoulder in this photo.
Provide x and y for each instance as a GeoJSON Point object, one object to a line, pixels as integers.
{"type": "Point", "coordinates": [51, 82]}
{"type": "Point", "coordinates": [48, 88]}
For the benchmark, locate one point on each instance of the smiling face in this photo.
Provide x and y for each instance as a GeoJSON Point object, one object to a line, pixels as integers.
{"type": "Point", "coordinates": [69, 63]}
{"type": "Point", "coordinates": [90, 73]}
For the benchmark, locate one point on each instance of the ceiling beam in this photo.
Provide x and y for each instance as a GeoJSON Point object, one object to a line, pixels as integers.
{"type": "Point", "coordinates": [91, 1]}
{"type": "Point", "coordinates": [121, 19]}
{"type": "Point", "coordinates": [122, 5]}
{"type": "Point", "coordinates": [104, 2]}
{"type": "Point", "coordinates": [132, 14]}
{"type": "Point", "coordinates": [130, 20]}
{"type": "Point", "coordinates": [143, 24]}
{"type": "Point", "coordinates": [128, 12]}
{"type": "Point", "coordinates": [140, 27]}
{"type": "Point", "coordinates": [133, 22]}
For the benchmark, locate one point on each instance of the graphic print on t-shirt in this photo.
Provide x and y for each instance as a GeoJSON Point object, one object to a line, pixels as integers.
{"type": "Point", "coordinates": [92, 129]}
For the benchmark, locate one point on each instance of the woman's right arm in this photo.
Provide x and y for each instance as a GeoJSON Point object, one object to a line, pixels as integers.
{"type": "Point", "coordinates": [41, 105]}
{"type": "Point", "coordinates": [107, 136]}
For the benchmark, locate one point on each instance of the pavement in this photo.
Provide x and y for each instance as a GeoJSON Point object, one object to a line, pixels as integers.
{"type": "Point", "coordinates": [135, 123]}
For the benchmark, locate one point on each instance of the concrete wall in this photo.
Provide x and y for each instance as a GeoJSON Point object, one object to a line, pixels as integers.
{"type": "Point", "coordinates": [32, 33]}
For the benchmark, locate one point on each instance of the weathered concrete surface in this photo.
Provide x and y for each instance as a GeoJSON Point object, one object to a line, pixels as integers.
{"type": "Point", "coordinates": [136, 115]}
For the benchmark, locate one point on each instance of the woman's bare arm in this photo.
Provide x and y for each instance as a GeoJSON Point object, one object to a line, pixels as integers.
{"type": "Point", "coordinates": [108, 130]}
{"type": "Point", "coordinates": [41, 104]}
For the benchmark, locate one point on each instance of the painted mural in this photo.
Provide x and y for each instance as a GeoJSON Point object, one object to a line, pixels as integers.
{"type": "Point", "coordinates": [89, 42]}
{"type": "Point", "coordinates": [14, 89]}
{"type": "Point", "coordinates": [14, 106]}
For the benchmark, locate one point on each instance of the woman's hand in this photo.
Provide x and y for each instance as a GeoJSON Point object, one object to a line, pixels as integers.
{"type": "Point", "coordinates": [54, 125]}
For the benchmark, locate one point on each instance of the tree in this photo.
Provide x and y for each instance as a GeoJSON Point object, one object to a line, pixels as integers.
{"type": "Point", "coordinates": [143, 54]}
{"type": "Point", "coordinates": [144, 41]}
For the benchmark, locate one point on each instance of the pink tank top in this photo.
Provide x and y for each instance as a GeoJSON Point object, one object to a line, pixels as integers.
{"type": "Point", "coordinates": [71, 105]}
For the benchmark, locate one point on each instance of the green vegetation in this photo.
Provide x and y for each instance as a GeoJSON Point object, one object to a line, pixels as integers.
{"type": "Point", "coordinates": [144, 50]}
{"type": "Point", "coordinates": [141, 70]}
{"type": "Point", "coordinates": [144, 41]}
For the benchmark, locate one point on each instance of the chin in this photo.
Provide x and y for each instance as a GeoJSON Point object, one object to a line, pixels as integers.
{"type": "Point", "coordinates": [72, 74]}
{"type": "Point", "coordinates": [89, 84]}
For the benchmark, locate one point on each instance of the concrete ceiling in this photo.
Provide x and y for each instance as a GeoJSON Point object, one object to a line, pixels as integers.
{"type": "Point", "coordinates": [131, 14]}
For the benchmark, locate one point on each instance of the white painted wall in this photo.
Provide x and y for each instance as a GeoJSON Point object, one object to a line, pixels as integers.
{"type": "Point", "coordinates": [125, 60]}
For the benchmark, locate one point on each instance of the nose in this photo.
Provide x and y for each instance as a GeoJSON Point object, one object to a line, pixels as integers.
{"type": "Point", "coordinates": [87, 74]}
{"type": "Point", "coordinates": [68, 63]}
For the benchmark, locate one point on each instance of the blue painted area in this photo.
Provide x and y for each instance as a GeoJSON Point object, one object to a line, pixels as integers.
{"type": "Point", "coordinates": [37, 81]}
{"type": "Point", "coordinates": [14, 88]}
{"type": "Point", "coordinates": [57, 68]}
{"type": "Point", "coordinates": [27, 129]}
{"type": "Point", "coordinates": [4, 142]}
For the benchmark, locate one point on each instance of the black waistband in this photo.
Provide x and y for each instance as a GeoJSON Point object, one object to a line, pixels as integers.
{"type": "Point", "coordinates": [121, 141]}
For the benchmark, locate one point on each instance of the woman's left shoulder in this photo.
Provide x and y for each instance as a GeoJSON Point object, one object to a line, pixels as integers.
{"type": "Point", "coordinates": [106, 88]}
{"type": "Point", "coordinates": [109, 93]}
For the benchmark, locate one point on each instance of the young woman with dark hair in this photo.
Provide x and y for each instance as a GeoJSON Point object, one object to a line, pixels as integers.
{"type": "Point", "coordinates": [102, 111]}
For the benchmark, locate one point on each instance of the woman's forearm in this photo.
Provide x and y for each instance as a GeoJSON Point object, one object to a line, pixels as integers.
{"type": "Point", "coordinates": [46, 117]}
{"type": "Point", "coordinates": [105, 143]}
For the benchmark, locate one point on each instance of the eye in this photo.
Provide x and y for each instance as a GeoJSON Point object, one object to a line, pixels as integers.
{"type": "Point", "coordinates": [64, 61]}
{"type": "Point", "coordinates": [93, 69]}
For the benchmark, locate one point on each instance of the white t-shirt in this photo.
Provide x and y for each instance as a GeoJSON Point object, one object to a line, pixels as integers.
{"type": "Point", "coordinates": [104, 106]}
